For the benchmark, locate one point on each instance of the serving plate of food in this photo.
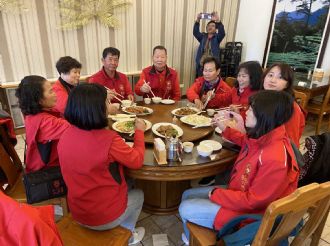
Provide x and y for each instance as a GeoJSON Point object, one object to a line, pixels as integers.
{"type": "Point", "coordinates": [167, 101]}
{"type": "Point", "coordinates": [196, 120]}
{"type": "Point", "coordinates": [168, 129]}
{"type": "Point", "coordinates": [138, 110]}
{"type": "Point", "coordinates": [185, 111]}
{"type": "Point", "coordinates": [127, 126]}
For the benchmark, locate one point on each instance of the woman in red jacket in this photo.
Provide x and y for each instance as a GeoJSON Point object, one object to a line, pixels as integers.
{"type": "Point", "coordinates": [210, 88]}
{"type": "Point", "coordinates": [69, 70]}
{"type": "Point", "coordinates": [280, 77]}
{"type": "Point", "coordinates": [43, 127]}
{"type": "Point", "coordinates": [92, 160]}
{"type": "Point", "coordinates": [266, 159]}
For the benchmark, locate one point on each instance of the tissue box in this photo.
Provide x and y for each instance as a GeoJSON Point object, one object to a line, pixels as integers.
{"type": "Point", "coordinates": [160, 151]}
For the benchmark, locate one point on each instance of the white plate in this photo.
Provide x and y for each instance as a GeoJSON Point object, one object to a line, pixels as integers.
{"type": "Point", "coordinates": [167, 101]}
{"type": "Point", "coordinates": [150, 111]}
{"type": "Point", "coordinates": [213, 144]}
{"type": "Point", "coordinates": [177, 109]}
{"type": "Point", "coordinates": [196, 120]}
{"type": "Point", "coordinates": [155, 127]}
{"type": "Point", "coordinates": [115, 126]}
{"type": "Point", "coordinates": [218, 130]}
{"type": "Point", "coordinates": [117, 117]}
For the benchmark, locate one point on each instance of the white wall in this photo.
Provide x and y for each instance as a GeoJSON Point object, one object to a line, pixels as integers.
{"type": "Point", "coordinates": [252, 30]}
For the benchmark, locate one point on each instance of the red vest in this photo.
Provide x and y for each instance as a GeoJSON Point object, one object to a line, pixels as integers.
{"type": "Point", "coordinates": [94, 196]}
{"type": "Point", "coordinates": [42, 127]}
{"type": "Point", "coordinates": [22, 224]}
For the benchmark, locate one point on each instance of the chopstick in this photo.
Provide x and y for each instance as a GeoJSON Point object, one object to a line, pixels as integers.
{"type": "Point", "coordinates": [150, 88]}
{"type": "Point", "coordinates": [113, 91]}
{"type": "Point", "coordinates": [208, 99]}
{"type": "Point", "coordinates": [225, 108]}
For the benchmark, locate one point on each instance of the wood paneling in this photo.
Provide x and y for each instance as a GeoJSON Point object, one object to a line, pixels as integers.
{"type": "Point", "coordinates": [34, 41]}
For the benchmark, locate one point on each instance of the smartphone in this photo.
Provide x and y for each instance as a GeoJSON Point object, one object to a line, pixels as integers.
{"type": "Point", "coordinates": [206, 16]}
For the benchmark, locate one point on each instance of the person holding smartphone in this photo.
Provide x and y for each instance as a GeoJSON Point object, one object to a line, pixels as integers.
{"type": "Point", "coordinates": [209, 42]}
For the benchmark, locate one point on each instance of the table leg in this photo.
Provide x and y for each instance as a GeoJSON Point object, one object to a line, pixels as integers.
{"type": "Point", "coordinates": [162, 197]}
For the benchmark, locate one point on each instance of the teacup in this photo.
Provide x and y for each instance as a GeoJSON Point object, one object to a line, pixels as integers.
{"type": "Point", "coordinates": [188, 146]}
{"type": "Point", "coordinates": [210, 112]}
{"type": "Point", "coordinates": [147, 100]}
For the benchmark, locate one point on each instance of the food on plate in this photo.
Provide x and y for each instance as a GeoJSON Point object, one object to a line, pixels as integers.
{"type": "Point", "coordinates": [125, 126]}
{"type": "Point", "coordinates": [196, 120]}
{"type": "Point", "coordinates": [185, 111]}
{"type": "Point", "coordinates": [137, 110]}
{"type": "Point", "coordinates": [167, 130]}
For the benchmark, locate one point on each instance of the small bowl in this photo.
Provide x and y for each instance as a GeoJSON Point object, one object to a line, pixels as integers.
{"type": "Point", "coordinates": [126, 103]}
{"type": "Point", "coordinates": [147, 100]}
{"type": "Point", "coordinates": [204, 150]}
{"type": "Point", "coordinates": [156, 99]}
{"type": "Point", "coordinates": [188, 146]}
{"type": "Point", "coordinates": [210, 112]}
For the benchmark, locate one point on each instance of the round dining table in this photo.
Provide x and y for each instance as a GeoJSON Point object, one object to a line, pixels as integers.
{"type": "Point", "coordinates": [164, 184]}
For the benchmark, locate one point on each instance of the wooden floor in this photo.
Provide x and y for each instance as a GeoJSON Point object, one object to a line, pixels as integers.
{"type": "Point", "coordinates": [170, 228]}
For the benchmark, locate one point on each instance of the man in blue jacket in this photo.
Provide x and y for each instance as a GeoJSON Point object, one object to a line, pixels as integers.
{"type": "Point", "coordinates": [210, 41]}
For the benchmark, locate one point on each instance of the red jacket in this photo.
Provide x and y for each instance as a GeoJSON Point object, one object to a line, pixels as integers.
{"type": "Point", "coordinates": [265, 170]}
{"type": "Point", "coordinates": [94, 196]}
{"type": "Point", "coordinates": [62, 97]}
{"type": "Point", "coordinates": [241, 99]}
{"type": "Point", "coordinates": [41, 128]}
{"type": "Point", "coordinates": [119, 83]}
{"type": "Point", "coordinates": [165, 84]}
{"type": "Point", "coordinates": [295, 126]}
{"type": "Point", "coordinates": [22, 224]}
{"type": "Point", "coordinates": [222, 93]}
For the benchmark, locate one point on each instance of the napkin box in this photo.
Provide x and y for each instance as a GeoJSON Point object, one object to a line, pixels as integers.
{"type": "Point", "coordinates": [160, 151]}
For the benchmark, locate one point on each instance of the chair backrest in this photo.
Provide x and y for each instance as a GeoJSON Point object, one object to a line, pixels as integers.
{"type": "Point", "coordinates": [326, 100]}
{"type": "Point", "coordinates": [313, 199]}
{"type": "Point", "coordinates": [301, 98]}
{"type": "Point", "coordinates": [10, 162]}
{"type": "Point", "coordinates": [230, 81]}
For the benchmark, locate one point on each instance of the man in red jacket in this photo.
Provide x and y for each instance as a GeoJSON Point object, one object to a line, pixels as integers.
{"type": "Point", "coordinates": [109, 77]}
{"type": "Point", "coordinates": [159, 78]}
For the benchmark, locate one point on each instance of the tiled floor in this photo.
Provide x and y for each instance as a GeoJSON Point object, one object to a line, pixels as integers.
{"type": "Point", "coordinates": [171, 225]}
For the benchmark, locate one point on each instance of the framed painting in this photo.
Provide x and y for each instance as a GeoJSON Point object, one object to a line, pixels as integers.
{"type": "Point", "coordinates": [298, 33]}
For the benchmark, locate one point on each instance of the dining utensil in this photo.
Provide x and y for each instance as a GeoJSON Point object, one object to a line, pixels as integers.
{"type": "Point", "coordinates": [114, 92]}
{"type": "Point", "coordinates": [208, 99]}
{"type": "Point", "coordinates": [150, 89]}
{"type": "Point", "coordinates": [226, 108]}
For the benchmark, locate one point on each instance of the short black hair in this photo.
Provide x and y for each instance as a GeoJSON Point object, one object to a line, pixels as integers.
{"type": "Point", "coordinates": [271, 109]}
{"type": "Point", "coordinates": [210, 59]}
{"type": "Point", "coordinates": [159, 47]}
{"type": "Point", "coordinates": [254, 70]}
{"type": "Point", "coordinates": [211, 21]}
{"type": "Point", "coordinates": [110, 50]}
{"type": "Point", "coordinates": [286, 73]}
{"type": "Point", "coordinates": [86, 107]}
{"type": "Point", "coordinates": [66, 63]}
{"type": "Point", "coordinates": [29, 93]}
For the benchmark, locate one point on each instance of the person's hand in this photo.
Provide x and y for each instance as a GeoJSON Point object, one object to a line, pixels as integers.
{"type": "Point", "coordinates": [112, 108]}
{"type": "Point", "coordinates": [236, 122]}
{"type": "Point", "coordinates": [215, 16]}
{"type": "Point", "coordinates": [145, 88]}
{"type": "Point", "coordinates": [140, 124]}
{"type": "Point", "coordinates": [198, 104]}
{"type": "Point", "coordinates": [130, 97]}
{"type": "Point", "coordinates": [234, 108]}
{"type": "Point", "coordinates": [204, 98]}
{"type": "Point", "coordinates": [219, 122]}
{"type": "Point", "coordinates": [110, 94]}
{"type": "Point", "coordinates": [199, 16]}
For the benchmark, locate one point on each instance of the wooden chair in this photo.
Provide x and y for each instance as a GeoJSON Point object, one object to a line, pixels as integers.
{"type": "Point", "coordinates": [230, 81]}
{"type": "Point", "coordinates": [11, 166]}
{"type": "Point", "coordinates": [301, 99]}
{"type": "Point", "coordinates": [321, 109]}
{"type": "Point", "coordinates": [312, 199]}
{"type": "Point", "coordinates": [74, 234]}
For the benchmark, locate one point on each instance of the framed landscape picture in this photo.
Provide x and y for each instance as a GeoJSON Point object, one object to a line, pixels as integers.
{"type": "Point", "coordinates": [298, 33]}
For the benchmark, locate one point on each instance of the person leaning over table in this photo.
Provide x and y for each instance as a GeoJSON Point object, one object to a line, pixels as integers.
{"type": "Point", "coordinates": [210, 87]}
{"type": "Point", "coordinates": [108, 76]}
{"type": "Point", "coordinates": [69, 70]}
{"type": "Point", "coordinates": [43, 126]}
{"type": "Point", "coordinates": [265, 169]}
{"type": "Point", "coordinates": [161, 79]}
{"type": "Point", "coordinates": [209, 42]}
{"type": "Point", "coordinates": [92, 160]}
